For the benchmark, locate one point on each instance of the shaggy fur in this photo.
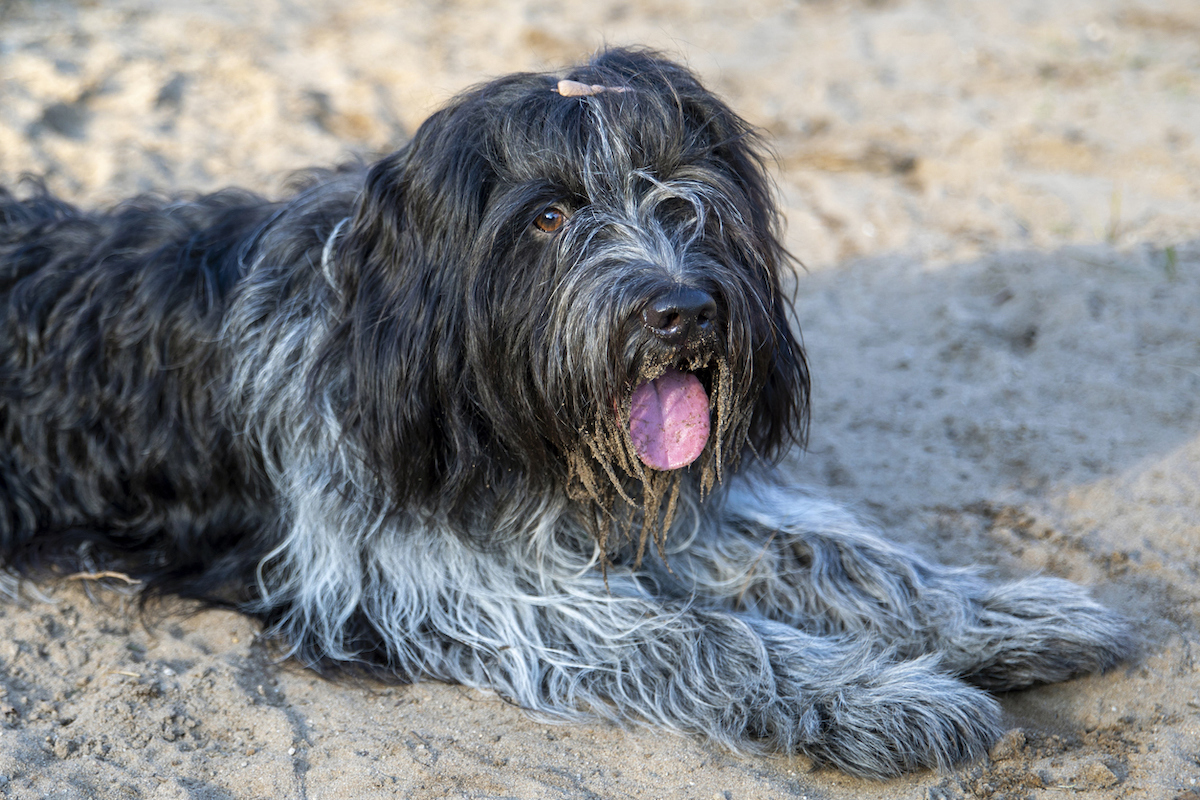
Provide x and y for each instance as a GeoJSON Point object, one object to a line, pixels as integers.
{"type": "Point", "coordinates": [390, 417]}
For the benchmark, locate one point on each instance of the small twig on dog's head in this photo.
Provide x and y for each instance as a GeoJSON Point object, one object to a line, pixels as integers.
{"type": "Point", "coordinates": [577, 89]}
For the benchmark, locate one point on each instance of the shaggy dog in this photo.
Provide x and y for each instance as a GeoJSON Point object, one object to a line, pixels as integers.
{"type": "Point", "coordinates": [500, 410]}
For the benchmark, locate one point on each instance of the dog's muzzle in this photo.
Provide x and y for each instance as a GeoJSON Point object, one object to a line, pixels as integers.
{"type": "Point", "coordinates": [669, 415]}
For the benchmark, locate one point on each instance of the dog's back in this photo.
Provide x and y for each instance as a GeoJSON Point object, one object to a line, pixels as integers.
{"type": "Point", "coordinates": [110, 323]}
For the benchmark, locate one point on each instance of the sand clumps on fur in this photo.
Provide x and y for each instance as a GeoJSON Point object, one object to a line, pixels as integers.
{"type": "Point", "coordinates": [608, 471]}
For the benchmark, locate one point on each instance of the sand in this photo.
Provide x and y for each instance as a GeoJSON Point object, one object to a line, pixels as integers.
{"type": "Point", "coordinates": [998, 208]}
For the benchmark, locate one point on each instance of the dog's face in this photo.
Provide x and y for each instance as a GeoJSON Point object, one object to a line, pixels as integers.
{"type": "Point", "coordinates": [587, 288]}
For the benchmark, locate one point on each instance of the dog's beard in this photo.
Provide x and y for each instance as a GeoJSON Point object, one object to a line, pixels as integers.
{"type": "Point", "coordinates": [608, 467]}
{"type": "Point", "coordinates": [631, 472]}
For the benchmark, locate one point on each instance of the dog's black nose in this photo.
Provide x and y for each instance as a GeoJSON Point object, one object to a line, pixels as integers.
{"type": "Point", "coordinates": [677, 315]}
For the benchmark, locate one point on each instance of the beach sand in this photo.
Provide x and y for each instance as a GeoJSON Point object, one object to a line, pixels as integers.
{"type": "Point", "coordinates": [998, 210]}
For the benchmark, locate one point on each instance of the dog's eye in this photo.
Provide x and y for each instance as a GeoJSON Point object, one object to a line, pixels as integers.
{"type": "Point", "coordinates": [550, 220]}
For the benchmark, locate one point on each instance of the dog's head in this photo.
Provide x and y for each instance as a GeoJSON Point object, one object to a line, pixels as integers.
{"type": "Point", "coordinates": [575, 282]}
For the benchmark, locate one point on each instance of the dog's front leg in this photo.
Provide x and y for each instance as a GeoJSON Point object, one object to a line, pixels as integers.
{"type": "Point", "coordinates": [751, 684]}
{"type": "Point", "coordinates": [536, 622]}
{"type": "Point", "coordinates": [807, 562]}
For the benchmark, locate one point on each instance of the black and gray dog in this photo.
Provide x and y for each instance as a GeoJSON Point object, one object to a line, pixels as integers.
{"type": "Point", "coordinates": [499, 409]}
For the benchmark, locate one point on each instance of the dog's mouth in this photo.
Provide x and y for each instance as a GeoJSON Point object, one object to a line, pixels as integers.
{"type": "Point", "coordinates": [669, 421]}
{"type": "Point", "coordinates": [681, 411]}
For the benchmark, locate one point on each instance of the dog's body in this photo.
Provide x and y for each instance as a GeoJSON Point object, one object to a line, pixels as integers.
{"type": "Point", "coordinates": [427, 416]}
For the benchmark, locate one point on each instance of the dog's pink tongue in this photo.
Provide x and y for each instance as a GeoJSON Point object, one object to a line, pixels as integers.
{"type": "Point", "coordinates": [668, 420]}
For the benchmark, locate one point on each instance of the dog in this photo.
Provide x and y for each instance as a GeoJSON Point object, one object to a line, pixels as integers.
{"type": "Point", "coordinates": [500, 409]}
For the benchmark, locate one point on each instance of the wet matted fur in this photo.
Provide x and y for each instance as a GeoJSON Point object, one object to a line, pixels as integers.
{"type": "Point", "coordinates": [390, 416]}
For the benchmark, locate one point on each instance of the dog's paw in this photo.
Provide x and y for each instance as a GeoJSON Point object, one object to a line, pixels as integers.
{"type": "Point", "coordinates": [897, 718]}
{"type": "Point", "coordinates": [1041, 630]}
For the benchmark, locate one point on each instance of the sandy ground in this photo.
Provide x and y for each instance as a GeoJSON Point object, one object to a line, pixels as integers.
{"type": "Point", "coordinates": [999, 208]}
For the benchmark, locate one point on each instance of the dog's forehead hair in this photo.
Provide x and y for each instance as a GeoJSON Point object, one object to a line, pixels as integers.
{"type": "Point", "coordinates": [656, 119]}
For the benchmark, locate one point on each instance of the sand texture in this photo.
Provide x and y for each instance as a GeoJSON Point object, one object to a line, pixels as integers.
{"type": "Point", "coordinates": [998, 205]}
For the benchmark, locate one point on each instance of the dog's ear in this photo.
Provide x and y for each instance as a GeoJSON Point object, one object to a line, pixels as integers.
{"type": "Point", "coordinates": [781, 412]}
{"type": "Point", "coordinates": [396, 354]}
